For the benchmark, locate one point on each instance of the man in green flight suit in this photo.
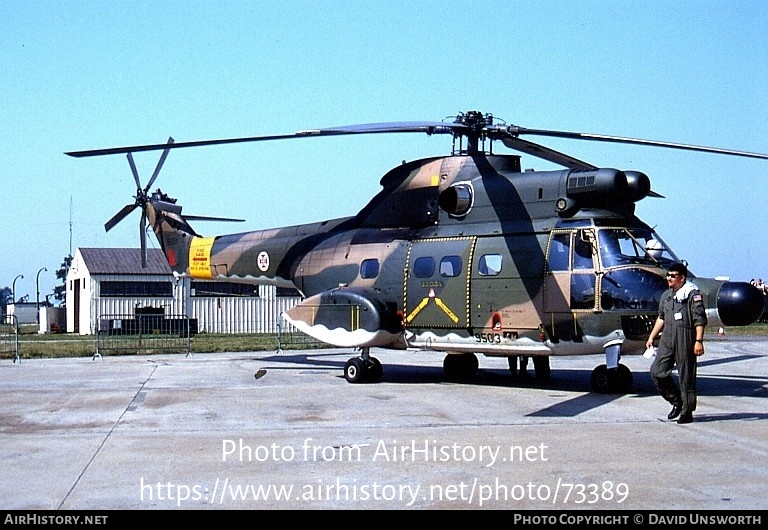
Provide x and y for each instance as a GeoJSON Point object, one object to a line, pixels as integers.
{"type": "Point", "coordinates": [683, 317]}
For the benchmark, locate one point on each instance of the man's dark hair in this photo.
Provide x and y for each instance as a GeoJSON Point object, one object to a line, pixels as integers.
{"type": "Point", "coordinates": [680, 268]}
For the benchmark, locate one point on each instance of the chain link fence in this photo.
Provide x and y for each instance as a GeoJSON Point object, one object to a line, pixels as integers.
{"type": "Point", "coordinates": [9, 337]}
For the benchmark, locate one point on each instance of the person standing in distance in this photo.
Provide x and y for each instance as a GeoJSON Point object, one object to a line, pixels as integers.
{"type": "Point", "coordinates": [682, 317]}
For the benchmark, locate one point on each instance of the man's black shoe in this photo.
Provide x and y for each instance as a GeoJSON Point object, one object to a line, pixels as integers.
{"type": "Point", "coordinates": [675, 412]}
{"type": "Point", "coordinates": [686, 417]}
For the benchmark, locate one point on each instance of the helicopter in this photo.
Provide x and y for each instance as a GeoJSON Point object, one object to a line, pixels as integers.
{"type": "Point", "coordinates": [463, 254]}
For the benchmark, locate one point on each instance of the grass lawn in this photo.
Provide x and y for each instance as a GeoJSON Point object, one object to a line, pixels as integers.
{"type": "Point", "coordinates": [33, 345]}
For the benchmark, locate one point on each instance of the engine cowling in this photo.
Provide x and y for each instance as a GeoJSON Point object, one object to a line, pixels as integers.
{"type": "Point", "coordinates": [603, 186]}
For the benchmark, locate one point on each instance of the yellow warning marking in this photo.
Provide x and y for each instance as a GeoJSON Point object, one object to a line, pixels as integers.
{"type": "Point", "coordinates": [435, 180]}
{"type": "Point", "coordinates": [446, 310]}
{"type": "Point", "coordinates": [200, 257]}
{"type": "Point", "coordinates": [417, 309]}
{"type": "Point", "coordinates": [440, 304]}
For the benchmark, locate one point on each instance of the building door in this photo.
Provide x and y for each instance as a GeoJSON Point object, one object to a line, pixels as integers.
{"type": "Point", "coordinates": [76, 310]}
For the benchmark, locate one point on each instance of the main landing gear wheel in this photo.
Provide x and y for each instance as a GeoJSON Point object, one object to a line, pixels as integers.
{"type": "Point", "coordinates": [460, 367]}
{"type": "Point", "coordinates": [611, 380]}
{"type": "Point", "coordinates": [363, 370]}
{"type": "Point", "coordinates": [541, 367]}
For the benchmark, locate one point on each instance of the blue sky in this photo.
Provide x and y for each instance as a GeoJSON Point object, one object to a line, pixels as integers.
{"type": "Point", "coordinates": [87, 74]}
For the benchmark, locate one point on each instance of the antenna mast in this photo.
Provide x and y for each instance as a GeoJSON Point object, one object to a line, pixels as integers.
{"type": "Point", "coordinates": [70, 225]}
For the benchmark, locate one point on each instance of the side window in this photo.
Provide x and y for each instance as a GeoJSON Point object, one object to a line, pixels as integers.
{"type": "Point", "coordinates": [450, 266]}
{"type": "Point", "coordinates": [490, 265]}
{"type": "Point", "coordinates": [582, 251]}
{"type": "Point", "coordinates": [424, 267]}
{"type": "Point", "coordinates": [582, 291]}
{"type": "Point", "coordinates": [559, 250]}
{"type": "Point", "coordinates": [369, 268]}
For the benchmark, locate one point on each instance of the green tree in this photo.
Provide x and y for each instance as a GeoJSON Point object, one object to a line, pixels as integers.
{"type": "Point", "coordinates": [5, 294]}
{"type": "Point", "coordinates": [60, 291]}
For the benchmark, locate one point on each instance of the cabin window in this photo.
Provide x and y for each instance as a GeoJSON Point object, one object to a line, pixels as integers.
{"type": "Point", "coordinates": [369, 268]}
{"type": "Point", "coordinates": [424, 267]}
{"type": "Point", "coordinates": [450, 266]}
{"type": "Point", "coordinates": [490, 265]}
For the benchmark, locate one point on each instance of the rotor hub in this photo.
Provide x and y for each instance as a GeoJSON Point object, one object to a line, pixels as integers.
{"type": "Point", "coordinates": [478, 125]}
{"type": "Point", "coordinates": [475, 120]}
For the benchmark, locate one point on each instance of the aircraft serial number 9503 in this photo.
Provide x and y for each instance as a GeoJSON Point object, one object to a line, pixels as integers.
{"type": "Point", "coordinates": [493, 338]}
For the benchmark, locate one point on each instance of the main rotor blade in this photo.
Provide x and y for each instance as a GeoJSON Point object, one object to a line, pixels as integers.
{"type": "Point", "coordinates": [208, 218]}
{"type": "Point", "coordinates": [119, 216]}
{"type": "Point", "coordinates": [160, 163]}
{"type": "Point", "coordinates": [545, 153]}
{"type": "Point", "coordinates": [515, 130]}
{"type": "Point", "coordinates": [371, 128]}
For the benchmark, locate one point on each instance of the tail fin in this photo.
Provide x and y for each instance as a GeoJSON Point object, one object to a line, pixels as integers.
{"type": "Point", "coordinates": [172, 230]}
{"type": "Point", "coordinates": [186, 251]}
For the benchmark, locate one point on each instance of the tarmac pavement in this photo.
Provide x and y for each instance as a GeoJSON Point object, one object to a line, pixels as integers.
{"type": "Point", "coordinates": [267, 430]}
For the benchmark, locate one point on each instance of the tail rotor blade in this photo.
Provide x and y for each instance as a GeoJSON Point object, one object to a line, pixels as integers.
{"type": "Point", "coordinates": [134, 171]}
{"type": "Point", "coordinates": [159, 164]}
{"type": "Point", "coordinates": [119, 216]}
{"type": "Point", "coordinates": [143, 238]}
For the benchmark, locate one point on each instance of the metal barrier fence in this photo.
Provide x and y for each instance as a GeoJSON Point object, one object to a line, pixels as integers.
{"type": "Point", "coordinates": [144, 334]}
{"type": "Point", "coordinates": [288, 337]}
{"type": "Point", "coordinates": [9, 337]}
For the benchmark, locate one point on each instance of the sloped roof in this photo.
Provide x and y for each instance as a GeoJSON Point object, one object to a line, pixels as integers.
{"type": "Point", "coordinates": [124, 261]}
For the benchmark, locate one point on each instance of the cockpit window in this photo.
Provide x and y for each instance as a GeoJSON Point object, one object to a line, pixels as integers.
{"type": "Point", "coordinates": [623, 246]}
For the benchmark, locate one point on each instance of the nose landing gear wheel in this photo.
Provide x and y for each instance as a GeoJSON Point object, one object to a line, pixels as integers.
{"type": "Point", "coordinates": [355, 370]}
{"type": "Point", "coordinates": [361, 370]}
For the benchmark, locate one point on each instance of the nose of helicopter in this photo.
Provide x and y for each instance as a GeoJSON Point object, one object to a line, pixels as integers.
{"type": "Point", "coordinates": [739, 303]}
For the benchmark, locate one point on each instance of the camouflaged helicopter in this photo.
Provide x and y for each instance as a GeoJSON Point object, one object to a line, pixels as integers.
{"type": "Point", "coordinates": [463, 254]}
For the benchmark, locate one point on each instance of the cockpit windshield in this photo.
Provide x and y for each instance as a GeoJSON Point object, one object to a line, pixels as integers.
{"type": "Point", "coordinates": [632, 246]}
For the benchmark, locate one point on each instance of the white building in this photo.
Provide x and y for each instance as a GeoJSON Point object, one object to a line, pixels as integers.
{"type": "Point", "coordinates": [110, 283]}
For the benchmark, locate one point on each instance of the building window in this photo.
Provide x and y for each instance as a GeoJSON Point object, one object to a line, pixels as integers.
{"type": "Point", "coordinates": [134, 289]}
{"type": "Point", "coordinates": [216, 289]}
{"type": "Point", "coordinates": [287, 292]}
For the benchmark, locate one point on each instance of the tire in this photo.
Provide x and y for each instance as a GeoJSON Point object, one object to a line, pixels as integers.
{"type": "Point", "coordinates": [375, 370]}
{"type": "Point", "coordinates": [541, 368]}
{"type": "Point", "coordinates": [611, 381]}
{"type": "Point", "coordinates": [460, 367]}
{"type": "Point", "coordinates": [355, 371]}
{"type": "Point", "coordinates": [600, 380]}
{"type": "Point", "coordinates": [624, 379]}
